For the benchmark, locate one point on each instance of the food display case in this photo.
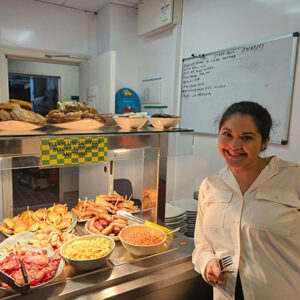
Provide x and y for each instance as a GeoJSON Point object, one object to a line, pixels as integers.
{"type": "Point", "coordinates": [101, 158]}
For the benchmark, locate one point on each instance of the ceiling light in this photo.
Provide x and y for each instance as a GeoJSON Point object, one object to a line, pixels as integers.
{"type": "Point", "coordinates": [64, 56]}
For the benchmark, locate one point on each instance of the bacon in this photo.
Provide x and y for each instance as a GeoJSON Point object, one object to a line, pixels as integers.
{"type": "Point", "coordinates": [10, 264]}
{"type": "Point", "coordinates": [40, 260]}
{"type": "Point", "coordinates": [18, 277]}
{"type": "Point", "coordinates": [39, 266]}
{"type": "Point", "coordinates": [52, 266]}
{"type": "Point", "coordinates": [34, 260]}
{"type": "Point", "coordinates": [35, 276]}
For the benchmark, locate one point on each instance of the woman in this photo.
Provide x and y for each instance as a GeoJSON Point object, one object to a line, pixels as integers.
{"type": "Point", "coordinates": [250, 211]}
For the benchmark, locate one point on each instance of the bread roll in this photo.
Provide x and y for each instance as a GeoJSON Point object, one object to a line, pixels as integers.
{"type": "Point", "coordinates": [9, 222]}
{"type": "Point", "coordinates": [5, 229]}
{"type": "Point", "coordinates": [20, 227]}
{"type": "Point", "coordinates": [34, 226]}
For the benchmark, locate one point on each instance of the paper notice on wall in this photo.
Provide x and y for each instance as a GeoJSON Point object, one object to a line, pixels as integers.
{"type": "Point", "coordinates": [150, 90]}
{"type": "Point", "coordinates": [165, 11]}
{"type": "Point", "coordinates": [92, 95]}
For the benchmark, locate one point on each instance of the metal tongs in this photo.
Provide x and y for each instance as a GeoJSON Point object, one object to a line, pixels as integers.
{"type": "Point", "coordinates": [22, 289]}
{"type": "Point", "coordinates": [129, 216]}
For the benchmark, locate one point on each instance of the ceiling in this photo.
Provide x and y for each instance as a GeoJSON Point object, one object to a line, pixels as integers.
{"type": "Point", "coordinates": [89, 5]}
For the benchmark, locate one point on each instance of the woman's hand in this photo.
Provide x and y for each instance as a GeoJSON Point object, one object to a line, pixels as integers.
{"type": "Point", "coordinates": [213, 273]}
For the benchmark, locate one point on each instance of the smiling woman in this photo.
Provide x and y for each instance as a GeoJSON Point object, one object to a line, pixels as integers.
{"type": "Point", "coordinates": [243, 133]}
{"type": "Point", "coordinates": [247, 210]}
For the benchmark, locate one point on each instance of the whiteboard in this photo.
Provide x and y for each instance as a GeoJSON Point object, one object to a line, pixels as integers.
{"type": "Point", "coordinates": [262, 72]}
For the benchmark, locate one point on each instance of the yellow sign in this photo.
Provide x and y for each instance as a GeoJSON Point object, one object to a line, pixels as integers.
{"type": "Point", "coordinates": [72, 151]}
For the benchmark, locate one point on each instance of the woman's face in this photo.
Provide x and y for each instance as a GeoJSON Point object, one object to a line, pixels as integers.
{"type": "Point", "coordinates": [240, 142]}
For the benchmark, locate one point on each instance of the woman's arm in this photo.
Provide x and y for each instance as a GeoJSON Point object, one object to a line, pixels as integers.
{"type": "Point", "coordinates": [203, 257]}
{"type": "Point", "coordinates": [203, 252]}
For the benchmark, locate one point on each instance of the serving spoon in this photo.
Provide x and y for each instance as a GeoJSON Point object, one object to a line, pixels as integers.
{"type": "Point", "coordinates": [166, 233]}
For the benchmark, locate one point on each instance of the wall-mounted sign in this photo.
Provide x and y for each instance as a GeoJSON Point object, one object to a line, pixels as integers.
{"type": "Point", "coordinates": [72, 151]}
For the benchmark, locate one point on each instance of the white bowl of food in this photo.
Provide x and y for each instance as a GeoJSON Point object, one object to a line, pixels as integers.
{"type": "Point", "coordinates": [130, 122]}
{"type": "Point", "coordinates": [88, 252]}
{"type": "Point", "coordinates": [109, 119]}
{"type": "Point", "coordinates": [164, 123]}
{"type": "Point", "coordinates": [140, 239]}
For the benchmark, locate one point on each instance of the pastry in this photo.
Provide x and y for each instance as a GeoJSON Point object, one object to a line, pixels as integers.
{"type": "Point", "coordinates": [25, 115]}
{"type": "Point", "coordinates": [56, 116]}
{"type": "Point", "coordinates": [4, 115]}
{"type": "Point", "coordinates": [23, 104]}
{"type": "Point", "coordinates": [73, 111]}
{"type": "Point", "coordinates": [8, 106]}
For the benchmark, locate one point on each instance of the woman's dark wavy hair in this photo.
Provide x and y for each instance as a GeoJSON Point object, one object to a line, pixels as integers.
{"type": "Point", "coordinates": [260, 115]}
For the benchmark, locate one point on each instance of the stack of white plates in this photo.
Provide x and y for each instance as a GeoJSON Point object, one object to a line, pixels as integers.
{"type": "Point", "coordinates": [175, 217]}
{"type": "Point", "coordinates": [190, 207]}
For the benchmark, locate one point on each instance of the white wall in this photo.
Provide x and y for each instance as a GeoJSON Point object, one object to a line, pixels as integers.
{"type": "Point", "coordinates": [124, 41]}
{"type": "Point", "coordinates": [117, 30]}
{"type": "Point", "coordinates": [103, 30]}
{"type": "Point", "coordinates": [99, 74]}
{"type": "Point", "coordinates": [69, 74]}
{"type": "Point", "coordinates": [158, 57]}
{"type": "Point", "coordinates": [139, 58]}
{"type": "Point", "coordinates": [211, 25]}
{"type": "Point", "coordinates": [37, 25]}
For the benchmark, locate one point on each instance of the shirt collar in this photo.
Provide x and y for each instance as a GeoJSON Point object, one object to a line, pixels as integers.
{"type": "Point", "coordinates": [273, 165]}
{"type": "Point", "coordinates": [228, 178]}
{"type": "Point", "coordinates": [269, 171]}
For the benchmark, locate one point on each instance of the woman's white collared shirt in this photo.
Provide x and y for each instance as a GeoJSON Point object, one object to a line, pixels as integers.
{"type": "Point", "coordinates": [260, 230]}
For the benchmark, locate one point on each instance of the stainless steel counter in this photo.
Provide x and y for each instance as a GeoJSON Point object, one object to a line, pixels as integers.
{"type": "Point", "coordinates": [127, 277]}
{"type": "Point", "coordinates": [167, 275]}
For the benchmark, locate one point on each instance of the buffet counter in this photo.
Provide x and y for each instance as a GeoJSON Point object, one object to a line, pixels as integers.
{"type": "Point", "coordinates": [168, 274]}
{"type": "Point", "coordinates": [125, 276]}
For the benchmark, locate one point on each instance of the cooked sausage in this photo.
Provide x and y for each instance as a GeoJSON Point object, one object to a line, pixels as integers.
{"type": "Point", "coordinates": [117, 230]}
{"type": "Point", "coordinates": [98, 226]}
{"type": "Point", "coordinates": [108, 229]}
{"type": "Point", "coordinates": [105, 217]}
{"type": "Point", "coordinates": [120, 225]}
